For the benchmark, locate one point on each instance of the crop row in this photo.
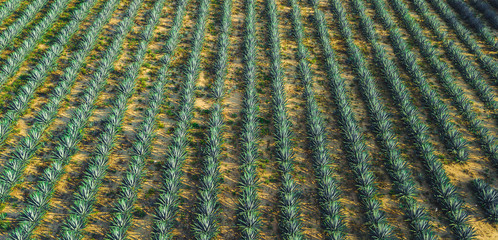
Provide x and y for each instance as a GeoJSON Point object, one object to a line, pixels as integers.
{"type": "Point", "coordinates": [16, 58]}
{"type": "Point", "coordinates": [488, 197]}
{"type": "Point", "coordinates": [445, 192]}
{"type": "Point", "coordinates": [454, 142]}
{"type": "Point", "coordinates": [39, 73]}
{"type": "Point", "coordinates": [487, 62]}
{"type": "Point", "coordinates": [26, 16]}
{"type": "Point", "coordinates": [353, 139]}
{"type": "Point", "coordinates": [67, 146]}
{"type": "Point", "coordinates": [248, 209]}
{"type": "Point", "coordinates": [399, 170]}
{"type": "Point", "coordinates": [327, 186]}
{"type": "Point", "coordinates": [438, 109]}
{"type": "Point", "coordinates": [463, 104]}
{"type": "Point", "coordinates": [167, 204]}
{"type": "Point", "coordinates": [487, 11]}
{"type": "Point", "coordinates": [86, 195]}
{"type": "Point", "coordinates": [27, 146]}
{"type": "Point", "coordinates": [487, 140]}
{"type": "Point", "coordinates": [475, 23]}
{"type": "Point", "coordinates": [464, 65]}
{"type": "Point", "coordinates": [133, 177]}
{"type": "Point", "coordinates": [289, 191]}
{"type": "Point", "coordinates": [8, 8]}
{"type": "Point", "coordinates": [206, 222]}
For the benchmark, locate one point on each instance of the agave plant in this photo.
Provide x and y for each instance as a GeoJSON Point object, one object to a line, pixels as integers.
{"type": "Point", "coordinates": [168, 201]}
{"type": "Point", "coordinates": [67, 146]}
{"type": "Point", "coordinates": [440, 183]}
{"type": "Point", "coordinates": [352, 135]}
{"type": "Point", "coordinates": [248, 208]}
{"type": "Point", "coordinates": [289, 191]}
{"type": "Point", "coordinates": [34, 37]}
{"type": "Point", "coordinates": [206, 226]}
{"type": "Point", "coordinates": [8, 8]}
{"type": "Point", "coordinates": [463, 64]}
{"type": "Point", "coordinates": [484, 91]}
{"type": "Point", "coordinates": [28, 14]}
{"type": "Point", "coordinates": [452, 137]}
{"type": "Point", "coordinates": [132, 180]}
{"type": "Point", "coordinates": [487, 12]}
{"type": "Point", "coordinates": [488, 197]}
{"type": "Point", "coordinates": [37, 75]}
{"type": "Point", "coordinates": [419, 223]}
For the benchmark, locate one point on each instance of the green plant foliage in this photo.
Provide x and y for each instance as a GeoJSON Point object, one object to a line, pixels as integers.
{"type": "Point", "coordinates": [167, 207]}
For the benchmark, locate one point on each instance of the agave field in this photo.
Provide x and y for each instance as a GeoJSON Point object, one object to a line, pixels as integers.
{"type": "Point", "coordinates": [250, 119]}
